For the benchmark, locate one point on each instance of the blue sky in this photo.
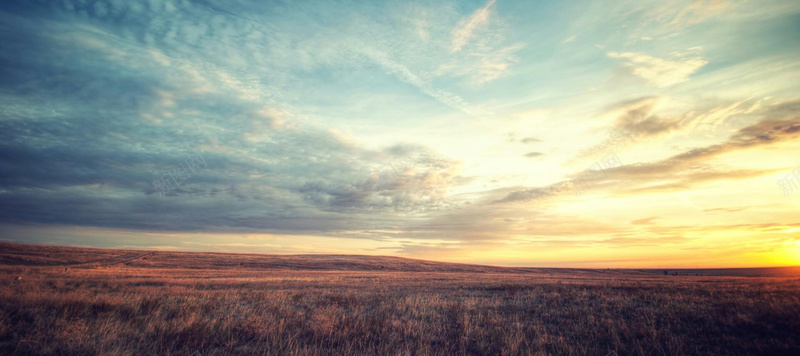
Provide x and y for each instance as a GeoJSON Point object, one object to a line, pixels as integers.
{"type": "Point", "coordinates": [456, 131]}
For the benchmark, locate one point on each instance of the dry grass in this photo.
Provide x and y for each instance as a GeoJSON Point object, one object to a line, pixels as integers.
{"type": "Point", "coordinates": [139, 303]}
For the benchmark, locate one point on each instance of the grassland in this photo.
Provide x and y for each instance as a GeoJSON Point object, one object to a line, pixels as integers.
{"type": "Point", "coordinates": [56, 300]}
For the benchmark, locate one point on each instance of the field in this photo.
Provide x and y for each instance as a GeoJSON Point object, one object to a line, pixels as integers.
{"type": "Point", "coordinates": [58, 300]}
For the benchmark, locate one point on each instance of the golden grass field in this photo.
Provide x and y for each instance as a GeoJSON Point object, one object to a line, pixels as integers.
{"type": "Point", "coordinates": [59, 300]}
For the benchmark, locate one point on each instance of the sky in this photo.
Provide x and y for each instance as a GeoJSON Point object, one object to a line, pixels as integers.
{"type": "Point", "coordinates": [604, 134]}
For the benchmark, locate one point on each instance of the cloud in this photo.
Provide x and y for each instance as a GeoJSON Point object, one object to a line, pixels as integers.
{"type": "Point", "coordinates": [484, 56]}
{"type": "Point", "coordinates": [463, 32]}
{"type": "Point", "coordinates": [645, 221]}
{"type": "Point", "coordinates": [726, 210]}
{"type": "Point", "coordinates": [660, 72]}
{"type": "Point", "coordinates": [116, 98]}
{"type": "Point", "coordinates": [533, 154]}
{"type": "Point", "coordinates": [532, 193]}
{"type": "Point", "coordinates": [699, 11]}
{"type": "Point", "coordinates": [493, 64]}
{"type": "Point", "coordinates": [636, 118]}
{"type": "Point", "coordinates": [717, 115]}
{"type": "Point", "coordinates": [780, 123]}
{"type": "Point", "coordinates": [125, 117]}
{"type": "Point", "coordinates": [632, 120]}
{"type": "Point", "coordinates": [405, 74]}
{"type": "Point", "coordinates": [419, 186]}
{"type": "Point", "coordinates": [569, 39]}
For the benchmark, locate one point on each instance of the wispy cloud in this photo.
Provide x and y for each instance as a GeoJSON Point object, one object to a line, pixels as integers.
{"type": "Point", "coordinates": [660, 72]}
{"type": "Point", "coordinates": [493, 64]}
{"type": "Point", "coordinates": [637, 119]}
{"type": "Point", "coordinates": [465, 29]}
{"type": "Point", "coordinates": [406, 75]}
{"type": "Point", "coordinates": [480, 51]}
{"type": "Point", "coordinates": [687, 169]}
{"type": "Point", "coordinates": [698, 11]}
{"type": "Point", "coordinates": [779, 125]}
